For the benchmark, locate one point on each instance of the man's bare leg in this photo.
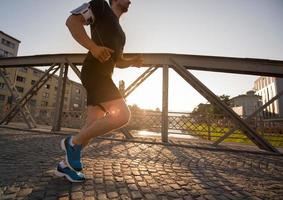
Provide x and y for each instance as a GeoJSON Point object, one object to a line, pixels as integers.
{"type": "Point", "coordinates": [93, 113]}
{"type": "Point", "coordinates": [117, 115]}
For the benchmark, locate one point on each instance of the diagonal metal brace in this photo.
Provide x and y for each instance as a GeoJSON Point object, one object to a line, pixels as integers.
{"type": "Point", "coordinates": [74, 68]}
{"type": "Point", "coordinates": [22, 102]}
{"type": "Point", "coordinates": [139, 81]}
{"type": "Point", "coordinates": [227, 134]}
{"type": "Point", "coordinates": [210, 96]}
{"type": "Point", "coordinates": [14, 92]}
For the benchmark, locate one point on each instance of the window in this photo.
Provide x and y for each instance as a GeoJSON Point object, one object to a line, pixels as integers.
{"type": "Point", "coordinates": [77, 98]}
{"type": "Point", "coordinates": [2, 97]}
{"type": "Point", "coordinates": [33, 82]}
{"type": "Point", "coordinates": [23, 69]}
{"type": "Point", "coordinates": [32, 102]}
{"type": "Point", "coordinates": [8, 43]}
{"type": "Point", "coordinates": [36, 73]}
{"type": "Point", "coordinates": [44, 103]}
{"type": "Point", "coordinates": [45, 95]}
{"type": "Point", "coordinates": [78, 91]}
{"type": "Point", "coordinates": [47, 86]}
{"type": "Point", "coordinates": [2, 85]}
{"type": "Point", "coordinates": [76, 105]}
{"type": "Point", "coordinates": [4, 53]}
{"type": "Point", "coordinates": [20, 89]}
{"type": "Point", "coordinates": [21, 79]}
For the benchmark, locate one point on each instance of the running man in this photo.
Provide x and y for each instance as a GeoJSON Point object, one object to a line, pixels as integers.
{"type": "Point", "coordinates": [106, 108]}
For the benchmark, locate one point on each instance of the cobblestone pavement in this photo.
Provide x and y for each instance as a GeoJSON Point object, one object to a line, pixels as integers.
{"type": "Point", "coordinates": [127, 170]}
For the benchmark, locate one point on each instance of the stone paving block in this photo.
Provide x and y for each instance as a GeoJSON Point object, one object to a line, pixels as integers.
{"type": "Point", "coordinates": [125, 197]}
{"type": "Point", "coordinates": [130, 181]}
{"type": "Point", "coordinates": [24, 192]}
{"type": "Point", "coordinates": [89, 193]}
{"type": "Point", "coordinates": [182, 192]}
{"type": "Point", "coordinates": [136, 195]}
{"type": "Point", "coordinates": [102, 197]}
{"type": "Point", "coordinates": [112, 195]}
{"type": "Point", "coordinates": [142, 184]}
{"type": "Point", "coordinates": [89, 198]}
{"type": "Point", "coordinates": [145, 190]}
{"type": "Point", "coordinates": [123, 190]}
{"type": "Point", "coordinates": [133, 187]}
{"type": "Point", "coordinates": [138, 178]}
{"type": "Point", "coordinates": [77, 195]}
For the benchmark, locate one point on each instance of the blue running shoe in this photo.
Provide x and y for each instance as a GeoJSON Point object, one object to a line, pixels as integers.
{"type": "Point", "coordinates": [73, 154]}
{"type": "Point", "coordinates": [71, 175]}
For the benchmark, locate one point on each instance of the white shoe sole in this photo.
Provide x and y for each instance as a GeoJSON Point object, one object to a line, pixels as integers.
{"type": "Point", "coordinates": [60, 174]}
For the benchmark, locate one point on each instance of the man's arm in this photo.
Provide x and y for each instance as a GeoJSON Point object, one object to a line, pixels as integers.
{"type": "Point", "coordinates": [123, 62]}
{"type": "Point", "coordinates": [76, 23]}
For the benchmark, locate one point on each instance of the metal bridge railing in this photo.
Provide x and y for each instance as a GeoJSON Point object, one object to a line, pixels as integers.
{"type": "Point", "coordinates": [179, 63]}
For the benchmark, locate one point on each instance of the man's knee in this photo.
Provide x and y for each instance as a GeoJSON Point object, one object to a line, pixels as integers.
{"type": "Point", "coordinates": [119, 116]}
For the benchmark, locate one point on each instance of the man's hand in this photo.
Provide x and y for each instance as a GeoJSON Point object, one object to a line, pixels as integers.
{"type": "Point", "coordinates": [136, 61]}
{"type": "Point", "coordinates": [101, 53]}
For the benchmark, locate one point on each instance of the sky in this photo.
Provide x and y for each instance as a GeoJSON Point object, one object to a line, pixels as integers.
{"type": "Point", "coordinates": [232, 28]}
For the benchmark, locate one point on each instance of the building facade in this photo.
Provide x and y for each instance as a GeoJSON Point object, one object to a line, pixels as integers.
{"type": "Point", "coordinates": [244, 105]}
{"type": "Point", "coordinates": [25, 77]}
{"type": "Point", "coordinates": [77, 96]}
{"type": "Point", "coordinates": [8, 45]}
{"type": "Point", "coordinates": [267, 88]}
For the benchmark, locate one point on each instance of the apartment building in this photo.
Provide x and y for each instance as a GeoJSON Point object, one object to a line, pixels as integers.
{"type": "Point", "coordinates": [25, 77]}
{"type": "Point", "coordinates": [245, 104]}
{"type": "Point", "coordinates": [267, 88]}
{"type": "Point", "coordinates": [8, 45]}
{"type": "Point", "coordinates": [8, 48]}
{"type": "Point", "coordinates": [77, 96]}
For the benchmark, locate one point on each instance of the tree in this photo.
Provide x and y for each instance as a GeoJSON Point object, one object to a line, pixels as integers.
{"type": "Point", "coordinates": [210, 110]}
{"type": "Point", "coordinates": [134, 108]}
{"type": "Point", "coordinates": [226, 100]}
{"type": "Point", "coordinates": [157, 109]}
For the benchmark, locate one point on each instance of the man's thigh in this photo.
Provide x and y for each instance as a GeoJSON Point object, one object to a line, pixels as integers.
{"type": "Point", "coordinates": [115, 105]}
{"type": "Point", "coordinates": [94, 113]}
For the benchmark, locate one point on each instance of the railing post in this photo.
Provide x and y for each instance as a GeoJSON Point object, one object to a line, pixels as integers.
{"type": "Point", "coordinates": [164, 126]}
{"type": "Point", "coordinates": [60, 97]}
{"type": "Point", "coordinates": [209, 131]}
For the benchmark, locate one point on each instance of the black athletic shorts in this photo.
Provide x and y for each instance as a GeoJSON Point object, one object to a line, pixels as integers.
{"type": "Point", "coordinates": [100, 87]}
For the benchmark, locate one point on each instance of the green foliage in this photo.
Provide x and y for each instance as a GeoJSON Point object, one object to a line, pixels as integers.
{"type": "Point", "coordinates": [210, 110]}
{"type": "Point", "coordinates": [214, 132]}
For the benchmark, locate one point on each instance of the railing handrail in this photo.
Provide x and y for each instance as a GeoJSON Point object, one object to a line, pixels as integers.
{"type": "Point", "coordinates": [262, 67]}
